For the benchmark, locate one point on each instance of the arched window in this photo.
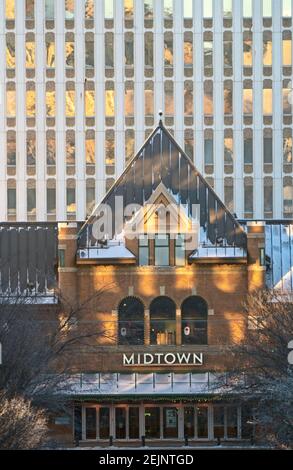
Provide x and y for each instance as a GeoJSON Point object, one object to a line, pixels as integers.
{"type": "Point", "coordinates": [194, 316]}
{"type": "Point", "coordinates": [131, 321]}
{"type": "Point", "coordinates": [163, 321]}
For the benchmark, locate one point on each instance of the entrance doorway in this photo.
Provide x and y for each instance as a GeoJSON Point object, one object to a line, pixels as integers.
{"type": "Point", "coordinates": [156, 421]}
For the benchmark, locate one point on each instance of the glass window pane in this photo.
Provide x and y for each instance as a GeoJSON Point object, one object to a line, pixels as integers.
{"type": "Point", "coordinates": [30, 54]}
{"type": "Point", "coordinates": [148, 50]}
{"type": "Point", "coordinates": [180, 250]}
{"type": "Point", "coordinates": [161, 250]}
{"type": "Point", "coordinates": [133, 416]}
{"type": "Point", "coordinates": [287, 8]}
{"type": "Point", "coordinates": [29, 9]}
{"type": "Point", "coordinates": [232, 422]}
{"type": "Point", "coordinates": [148, 8]}
{"type": "Point", "coordinates": [31, 200]}
{"type": "Point", "coordinates": [51, 200]}
{"type": "Point", "coordinates": [128, 8]}
{"type": "Point", "coordinates": [89, 9]}
{"type": "Point", "coordinates": [10, 9]}
{"type": "Point", "coordinates": [50, 103]}
{"type": "Point", "coordinates": [104, 423]}
{"type": "Point", "coordinates": [170, 422]}
{"type": "Point", "coordinates": [267, 101]}
{"type": "Point", "coordinates": [89, 54]}
{"type": "Point", "coordinates": [90, 103]}
{"type": "Point", "coordinates": [189, 421]}
{"type": "Point", "coordinates": [168, 8]}
{"type": "Point", "coordinates": [30, 103]}
{"type": "Point", "coordinates": [10, 50]}
{"type": "Point", "coordinates": [109, 50]}
{"type": "Point", "coordinates": [10, 103]}
{"type": "Point", "coordinates": [69, 54]}
{"type": "Point", "coordinates": [268, 150]}
{"type": "Point", "coordinates": [163, 321]}
{"type": "Point", "coordinates": [50, 54]}
{"type": "Point", "coordinates": [267, 8]}
{"type": "Point", "coordinates": [120, 421]}
{"type": "Point", "coordinates": [69, 9]}
{"type": "Point", "coordinates": [267, 52]}
{"type": "Point", "coordinates": [202, 422]}
{"type": "Point", "coordinates": [248, 151]}
{"type": "Point", "coordinates": [70, 200]}
{"type": "Point", "coordinates": [208, 8]}
{"type": "Point", "coordinates": [152, 422]}
{"type": "Point", "coordinates": [49, 9]}
{"type": "Point", "coordinates": [209, 151]}
{"type": "Point", "coordinates": [70, 103]}
{"type": "Point", "coordinates": [11, 201]}
{"type": "Point", "coordinates": [109, 9]}
{"type": "Point", "coordinates": [227, 8]}
{"type": "Point", "coordinates": [187, 8]}
{"type": "Point", "coordinates": [287, 52]}
{"type": "Point", "coordinates": [247, 101]}
{"type": "Point", "coordinates": [219, 421]}
{"type": "Point", "coordinates": [90, 423]}
{"type": "Point", "coordinates": [247, 8]}
{"type": "Point", "coordinates": [247, 52]}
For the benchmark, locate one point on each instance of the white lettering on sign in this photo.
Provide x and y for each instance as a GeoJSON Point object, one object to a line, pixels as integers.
{"type": "Point", "coordinates": [162, 359]}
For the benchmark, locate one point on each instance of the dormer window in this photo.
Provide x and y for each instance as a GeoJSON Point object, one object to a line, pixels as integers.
{"type": "Point", "coordinates": [162, 250]}
{"type": "Point", "coordinates": [180, 250]}
{"type": "Point", "coordinates": [143, 250]}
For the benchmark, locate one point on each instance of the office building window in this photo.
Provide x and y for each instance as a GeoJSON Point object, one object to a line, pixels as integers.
{"type": "Point", "coordinates": [11, 198]}
{"type": "Point", "coordinates": [51, 197]}
{"type": "Point", "coordinates": [288, 197]}
{"type": "Point", "coordinates": [70, 197]}
{"type": "Point", "coordinates": [90, 195]}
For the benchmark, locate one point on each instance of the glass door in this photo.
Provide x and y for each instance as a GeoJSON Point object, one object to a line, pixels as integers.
{"type": "Point", "coordinates": [90, 423]}
{"type": "Point", "coordinates": [104, 422]}
{"type": "Point", "coordinates": [189, 421]}
{"type": "Point", "coordinates": [202, 422]}
{"type": "Point", "coordinates": [120, 423]}
{"type": "Point", "coordinates": [152, 422]}
{"type": "Point", "coordinates": [170, 423]}
{"type": "Point", "coordinates": [219, 421]}
{"type": "Point", "coordinates": [133, 422]}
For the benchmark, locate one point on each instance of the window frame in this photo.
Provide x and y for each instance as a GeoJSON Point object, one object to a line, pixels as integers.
{"type": "Point", "coordinates": [157, 247]}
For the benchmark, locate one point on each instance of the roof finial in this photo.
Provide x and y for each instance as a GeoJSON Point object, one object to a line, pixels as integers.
{"type": "Point", "coordinates": [160, 120]}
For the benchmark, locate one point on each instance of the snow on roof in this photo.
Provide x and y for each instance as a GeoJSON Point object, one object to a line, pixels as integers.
{"type": "Point", "coordinates": [218, 252]}
{"type": "Point", "coordinates": [113, 250]}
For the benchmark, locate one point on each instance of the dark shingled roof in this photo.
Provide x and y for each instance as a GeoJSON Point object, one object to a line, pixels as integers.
{"type": "Point", "coordinates": [162, 160]}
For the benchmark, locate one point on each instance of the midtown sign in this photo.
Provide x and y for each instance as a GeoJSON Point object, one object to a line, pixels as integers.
{"type": "Point", "coordinates": [163, 359]}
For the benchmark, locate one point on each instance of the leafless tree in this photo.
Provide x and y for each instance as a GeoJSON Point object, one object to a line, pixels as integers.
{"type": "Point", "coordinates": [41, 346]}
{"type": "Point", "coordinates": [261, 373]}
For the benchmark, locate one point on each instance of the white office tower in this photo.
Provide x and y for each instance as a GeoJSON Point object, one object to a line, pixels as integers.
{"type": "Point", "coordinates": [82, 81]}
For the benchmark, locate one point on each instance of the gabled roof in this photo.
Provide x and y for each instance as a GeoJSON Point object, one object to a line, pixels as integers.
{"type": "Point", "coordinates": [161, 159]}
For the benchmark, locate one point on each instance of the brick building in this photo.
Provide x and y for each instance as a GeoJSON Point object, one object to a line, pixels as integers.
{"type": "Point", "coordinates": [173, 267]}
